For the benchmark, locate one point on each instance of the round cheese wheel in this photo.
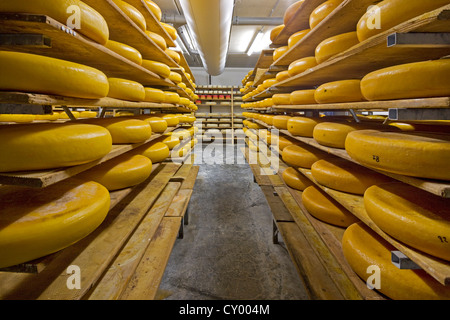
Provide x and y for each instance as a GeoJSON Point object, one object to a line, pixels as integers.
{"type": "Point", "coordinates": [88, 114]}
{"type": "Point", "coordinates": [126, 90]}
{"type": "Point", "coordinates": [300, 97]}
{"type": "Point", "coordinates": [275, 32]}
{"type": "Point", "coordinates": [302, 126]}
{"type": "Point", "coordinates": [171, 97]}
{"type": "Point", "coordinates": [339, 91]}
{"type": "Point", "coordinates": [171, 142]}
{"type": "Point", "coordinates": [154, 95]}
{"type": "Point", "coordinates": [296, 37]}
{"type": "Point", "coordinates": [292, 10]}
{"type": "Point", "coordinates": [120, 172]}
{"type": "Point", "coordinates": [295, 179]}
{"type": "Point", "coordinates": [124, 130]}
{"type": "Point", "coordinates": [283, 142]}
{"type": "Point", "coordinates": [281, 98]}
{"type": "Point", "coordinates": [323, 207]}
{"type": "Point", "coordinates": [334, 45]}
{"type": "Point", "coordinates": [125, 50]}
{"type": "Point", "coordinates": [19, 118]}
{"type": "Point", "coordinates": [303, 156]}
{"type": "Point", "coordinates": [171, 119]}
{"type": "Point", "coordinates": [154, 8]}
{"type": "Point", "coordinates": [346, 176]}
{"type": "Point", "coordinates": [282, 75]}
{"type": "Point", "coordinates": [421, 154]}
{"type": "Point", "coordinates": [170, 30]}
{"type": "Point", "coordinates": [38, 222]}
{"type": "Point", "coordinates": [175, 77]}
{"type": "Point", "coordinates": [174, 55]}
{"type": "Point", "coordinates": [412, 80]}
{"type": "Point", "coordinates": [301, 65]}
{"type": "Point", "coordinates": [280, 122]}
{"type": "Point", "coordinates": [33, 73]}
{"type": "Point", "coordinates": [157, 39]}
{"type": "Point", "coordinates": [157, 124]}
{"type": "Point", "coordinates": [159, 68]}
{"type": "Point", "coordinates": [363, 249]}
{"type": "Point", "coordinates": [269, 83]}
{"type": "Point", "coordinates": [51, 145]}
{"type": "Point", "coordinates": [92, 24]}
{"type": "Point", "coordinates": [134, 14]}
{"type": "Point", "coordinates": [278, 52]}
{"type": "Point", "coordinates": [413, 216]}
{"type": "Point", "coordinates": [322, 11]}
{"type": "Point", "coordinates": [390, 13]}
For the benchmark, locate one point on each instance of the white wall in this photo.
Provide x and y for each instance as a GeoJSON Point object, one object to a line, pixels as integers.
{"type": "Point", "coordinates": [230, 77]}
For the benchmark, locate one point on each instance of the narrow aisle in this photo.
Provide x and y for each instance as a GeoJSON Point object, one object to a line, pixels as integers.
{"type": "Point", "coordinates": [227, 250]}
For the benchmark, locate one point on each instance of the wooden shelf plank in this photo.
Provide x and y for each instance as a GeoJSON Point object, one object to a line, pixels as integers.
{"type": "Point", "coordinates": [123, 29]}
{"type": "Point", "coordinates": [437, 268]}
{"type": "Point", "coordinates": [72, 46]}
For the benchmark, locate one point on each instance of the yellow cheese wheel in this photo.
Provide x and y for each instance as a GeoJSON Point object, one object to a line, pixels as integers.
{"type": "Point", "coordinates": [303, 156]}
{"type": "Point", "coordinates": [159, 68]}
{"type": "Point", "coordinates": [171, 119]}
{"type": "Point", "coordinates": [333, 134]}
{"type": "Point", "coordinates": [283, 142]}
{"type": "Point", "coordinates": [181, 151]}
{"type": "Point", "coordinates": [269, 83]}
{"type": "Point", "coordinates": [64, 115]}
{"type": "Point", "coordinates": [278, 52]}
{"type": "Point", "coordinates": [175, 77]}
{"type": "Point", "coordinates": [174, 55]}
{"type": "Point", "coordinates": [302, 126]}
{"type": "Point", "coordinates": [282, 75]}
{"type": "Point", "coordinates": [88, 114]}
{"type": "Point", "coordinates": [124, 130]}
{"type": "Point", "coordinates": [38, 222]}
{"type": "Point", "coordinates": [171, 97]}
{"type": "Point", "coordinates": [300, 97]}
{"type": "Point", "coordinates": [126, 90]}
{"type": "Point", "coordinates": [292, 10]}
{"type": "Point", "coordinates": [280, 122]}
{"type": "Point", "coordinates": [296, 37]}
{"type": "Point", "coordinates": [157, 39]}
{"type": "Point", "coordinates": [170, 30]}
{"type": "Point", "coordinates": [413, 216]}
{"type": "Point", "coordinates": [339, 91]}
{"type": "Point", "coordinates": [276, 31]}
{"type": "Point", "coordinates": [295, 179]}
{"type": "Point", "coordinates": [19, 118]}
{"type": "Point", "coordinates": [335, 45]}
{"type": "Point", "coordinates": [92, 23]}
{"type": "Point", "coordinates": [158, 124]}
{"type": "Point", "coordinates": [424, 155]}
{"type": "Point", "coordinates": [412, 80]}
{"type": "Point", "coordinates": [134, 14]}
{"type": "Point", "coordinates": [363, 248]}
{"type": "Point", "coordinates": [390, 13]}
{"type": "Point", "coordinates": [170, 141]}
{"type": "Point", "coordinates": [281, 98]}
{"type": "Point", "coordinates": [323, 207]}
{"type": "Point", "coordinates": [301, 65]}
{"type": "Point", "coordinates": [322, 11]}
{"type": "Point", "coordinates": [154, 8]}
{"type": "Point", "coordinates": [39, 146]}
{"type": "Point", "coordinates": [33, 73]}
{"type": "Point", "coordinates": [346, 176]}
{"type": "Point", "coordinates": [49, 117]}
{"type": "Point", "coordinates": [125, 50]}
{"type": "Point", "coordinates": [154, 95]}
{"type": "Point", "coordinates": [120, 172]}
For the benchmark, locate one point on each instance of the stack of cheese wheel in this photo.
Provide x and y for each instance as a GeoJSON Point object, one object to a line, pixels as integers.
{"type": "Point", "coordinates": [323, 207]}
{"type": "Point", "coordinates": [333, 134]}
{"type": "Point", "coordinates": [363, 248]}
{"type": "Point", "coordinates": [302, 126]}
{"type": "Point", "coordinates": [303, 155]}
{"type": "Point", "coordinates": [339, 91]}
{"type": "Point", "coordinates": [38, 222]}
{"type": "Point", "coordinates": [93, 24]}
{"type": "Point", "coordinates": [334, 45]}
{"type": "Point", "coordinates": [124, 130]}
{"type": "Point", "coordinates": [413, 216]}
{"type": "Point", "coordinates": [346, 176]}
{"type": "Point", "coordinates": [322, 11]}
{"type": "Point", "coordinates": [40, 146]}
{"type": "Point", "coordinates": [417, 154]}
{"type": "Point", "coordinates": [412, 80]}
{"type": "Point", "coordinates": [295, 179]}
{"type": "Point", "coordinates": [125, 50]}
{"type": "Point", "coordinates": [121, 172]}
{"type": "Point", "coordinates": [393, 13]}
{"type": "Point", "coordinates": [34, 73]}
{"type": "Point", "coordinates": [126, 90]}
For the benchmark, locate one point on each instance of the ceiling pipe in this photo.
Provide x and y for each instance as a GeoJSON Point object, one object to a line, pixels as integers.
{"type": "Point", "coordinates": [237, 21]}
{"type": "Point", "coordinates": [210, 24]}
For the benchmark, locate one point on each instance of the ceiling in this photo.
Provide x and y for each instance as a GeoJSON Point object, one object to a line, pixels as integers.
{"type": "Point", "coordinates": [243, 31]}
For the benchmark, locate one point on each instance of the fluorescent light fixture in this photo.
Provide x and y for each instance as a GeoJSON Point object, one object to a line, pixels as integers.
{"type": "Point", "coordinates": [256, 44]}
{"type": "Point", "coordinates": [179, 45]}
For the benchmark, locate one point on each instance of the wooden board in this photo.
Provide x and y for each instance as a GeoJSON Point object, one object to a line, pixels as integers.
{"type": "Point", "coordinates": [72, 46]}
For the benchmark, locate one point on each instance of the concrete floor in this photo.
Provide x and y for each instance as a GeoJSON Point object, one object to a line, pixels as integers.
{"type": "Point", "coordinates": [227, 250]}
